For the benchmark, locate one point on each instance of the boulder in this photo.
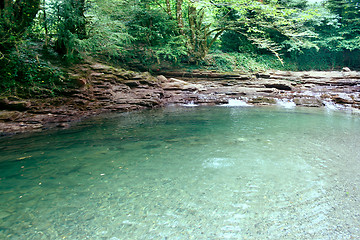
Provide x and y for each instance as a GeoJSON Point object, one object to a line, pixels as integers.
{"type": "Point", "coordinates": [162, 78]}
{"type": "Point", "coordinates": [81, 82]}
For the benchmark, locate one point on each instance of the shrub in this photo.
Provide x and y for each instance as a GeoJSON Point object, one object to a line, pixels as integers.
{"type": "Point", "coordinates": [25, 75]}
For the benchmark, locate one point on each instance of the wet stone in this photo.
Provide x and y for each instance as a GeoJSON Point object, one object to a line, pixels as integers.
{"type": "Point", "coordinates": [308, 102]}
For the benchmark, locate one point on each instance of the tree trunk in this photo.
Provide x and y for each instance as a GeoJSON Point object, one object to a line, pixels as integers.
{"type": "Point", "coordinates": [192, 21]}
{"type": "Point", "coordinates": [45, 25]}
{"type": "Point", "coordinates": [5, 3]}
{"type": "Point", "coordinates": [168, 8]}
{"type": "Point", "coordinates": [179, 17]}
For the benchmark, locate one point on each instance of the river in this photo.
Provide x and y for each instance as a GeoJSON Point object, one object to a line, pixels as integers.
{"type": "Point", "coordinates": [186, 173]}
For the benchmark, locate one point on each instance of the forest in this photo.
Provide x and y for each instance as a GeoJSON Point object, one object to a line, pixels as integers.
{"type": "Point", "coordinates": [40, 38]}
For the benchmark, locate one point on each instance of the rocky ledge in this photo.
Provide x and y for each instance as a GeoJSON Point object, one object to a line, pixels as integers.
{"type": "Point", "coordinates": [308, 89]}
{"type": "Point", "coordinates": [104, 88]}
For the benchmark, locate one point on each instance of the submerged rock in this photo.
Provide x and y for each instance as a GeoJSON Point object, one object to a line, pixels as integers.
{"type": "Point", "coordinates": [240, 140]}
{"type": "Point", "coordinates": [4, 214]}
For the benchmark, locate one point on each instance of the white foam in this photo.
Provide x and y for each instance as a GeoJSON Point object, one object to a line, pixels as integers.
{"type": "Point", "coordinates": [285, 103]}
{"type": "Point", "coordinates": [190, 104]}
{"type": "Point", "coordinates": [329, 105]}
{"type": "Point", "coordinates": [236, 103]}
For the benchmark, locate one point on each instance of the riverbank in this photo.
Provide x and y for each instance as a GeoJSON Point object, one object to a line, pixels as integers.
{"type": "Point", "coordinates": [103, 88]}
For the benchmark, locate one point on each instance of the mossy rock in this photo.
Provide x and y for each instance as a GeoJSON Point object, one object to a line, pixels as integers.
{"type": "Point", "coordinates": [6, 116]}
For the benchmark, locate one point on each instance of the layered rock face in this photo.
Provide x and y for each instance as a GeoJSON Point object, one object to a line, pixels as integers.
{"type": "Point", "coordinates": [308, 89]}
{"type": "Point", "coordinates": [103, 88]}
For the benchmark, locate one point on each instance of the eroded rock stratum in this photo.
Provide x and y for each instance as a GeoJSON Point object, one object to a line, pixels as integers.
{"type": "Point", "coordinates": [102, 88]}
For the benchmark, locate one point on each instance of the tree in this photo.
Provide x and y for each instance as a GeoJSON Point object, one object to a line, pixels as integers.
{"type": "Point", "coordinates": [348, 33]}
{"type": "Point", "coordinates": [266, 25]}
{"type": "Point", "coordinates": [15, 18]}
{"type": "Point", "coordinates": [202, 36]}
{"type": "Point", "coordinates": [179, 15]}
{"type": "Point", "coordinates": [349, 19]}
{"type": "Point", "coordinates": [71, 25]}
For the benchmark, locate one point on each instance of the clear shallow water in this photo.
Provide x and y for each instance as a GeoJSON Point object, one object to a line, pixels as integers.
{"type": "Point", "coordinates": [186, 173]}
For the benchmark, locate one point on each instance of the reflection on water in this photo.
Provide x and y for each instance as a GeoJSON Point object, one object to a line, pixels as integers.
{"type": "Point", "coordinates": [186, 173]}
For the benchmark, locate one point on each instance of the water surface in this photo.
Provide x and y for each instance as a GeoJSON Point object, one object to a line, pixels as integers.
{"type": "Point", "coordinates": [186, 173]}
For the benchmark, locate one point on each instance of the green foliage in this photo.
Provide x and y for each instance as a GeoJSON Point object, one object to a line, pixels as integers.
{"type": "Point", "coordinates": [349, 19]}
{"type": "Point", "coordinates": [151, 27]}
{"type": "Point", "coordinates": [337, 41]}
{"type": "Point", "coordinates": [291, 30]}
{"type": "Point", "coordinates": [300, 4]}
{"type": "Point", "coordinates": [244, 62]}
{"type": "Point", "coordinates": [22, 72]}
{"type": "Point", "coordinates": [268, 27]}
{"type": "Point", "coordinates": [25, 75]}
{"type": "Point", "coordinates": [70, 26]}
{"type": "Point", "coordinates": [144, 36]}
{"type": "Point", "coordinates": [174, 50]}
{"type": "Point", "coordinates": [232, 41]}
{"type": "Point", "coordinates": [15, 18]}
{"type": "Point", "coordinates": [106, 37]}
{"type": "Point", "coordinates": [313, 59]}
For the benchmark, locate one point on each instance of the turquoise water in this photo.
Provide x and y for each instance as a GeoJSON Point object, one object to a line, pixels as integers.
{"type": "Point", "coordinates": [186, 173]}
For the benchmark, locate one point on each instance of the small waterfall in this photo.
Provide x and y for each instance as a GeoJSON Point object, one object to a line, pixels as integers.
{"type": "Point", "coordinates": [329, 105]}
{"type": "Point", "coordinates": [285, 103]}
{"type": "Point", "coordinates": [236, 103]}
{"type": "Point", "coordinates": [190, 104]}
